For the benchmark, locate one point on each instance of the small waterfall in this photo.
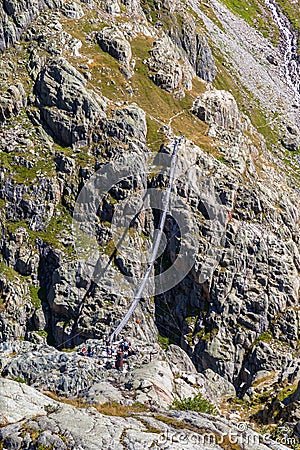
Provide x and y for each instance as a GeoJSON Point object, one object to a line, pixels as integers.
{"type": "Point", "coordinates": [292, 69]}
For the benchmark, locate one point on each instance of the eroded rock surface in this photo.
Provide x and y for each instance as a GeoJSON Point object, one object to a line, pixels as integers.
{"type": "Point", "coordinates": [45, 422]}
{"type": "Point", "coordinates": [67, 107]}
{"type": "Point", "coordinates": [166, 69]}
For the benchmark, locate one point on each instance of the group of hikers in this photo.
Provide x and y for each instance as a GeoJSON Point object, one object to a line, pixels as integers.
{"type": "Point", "coordinates": [112, 354]}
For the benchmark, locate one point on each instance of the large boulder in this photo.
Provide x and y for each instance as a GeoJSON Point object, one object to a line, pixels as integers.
{"type": "Point", "coordinates": [11, 102]}
{"type": "Point", "coordinates": [291, 140]}
{"type": "Point", "coordinates": [103, 392]}
{"type": "Point", "coordinates": [154, 383]}
{"type": "Point", "coordinates": [113, 41]}
{"type": "Point", "coordinates": [179, 359]}
{"type": "Point", "coordinates": [19, 401]}
{"type": "Point", "coordinates": [166, 68]}
{"type": "Point", "coordinates": [218, 108]}
{"type": "Point", "coordinates": [68, 109]}
{"type": "Point", "coordinates": [112, 6]}
{"type": "Point", "coordinates": [73, 10]}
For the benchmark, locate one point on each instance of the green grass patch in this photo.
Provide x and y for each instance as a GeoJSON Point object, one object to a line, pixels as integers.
{"type": "Point", "coordinates": [59, 223]}
{"type": "Point", "coordinates": [256, 14]}
{"type": "Point", "coordinates": [286, 392]}
{"type": "Point", "coordinates": [159, 105]}
{"type": "Point", "coordinates": [198, 404]}
{"type": "Point", "coordinates": [163, 341]}
{"type": "Point", "coordinates": [20, 380]}
{"type": "Point", "coordinates": [42, 333]}
{"type": "Point", "coordinates": [156, 11]}
{"type": "Point", "coordinates": [35, 296]}
{"type": "Point", "coordinates": [267, 337]}
{"type": "Point", "coordinates": [43, 166]}
{"type": "Point", "coordinates": [9, 273]}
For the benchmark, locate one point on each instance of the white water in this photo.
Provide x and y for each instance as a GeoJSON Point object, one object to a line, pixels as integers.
{"type": "Point", "coordinates": [292, 71]}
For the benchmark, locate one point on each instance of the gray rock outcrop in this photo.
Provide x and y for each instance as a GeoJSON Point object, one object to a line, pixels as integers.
{"type": "Point", "coordinates": [12, 102]}
{"type": "Point", "coordinates": [150, 376]}
{"type": "Point", "coordinates": [166, 68]}
{"type": "Point", "coordinates": [33, 203]}
{"type": "Point", "coordinates": [218, 108]}
{"type": "Point", "coordinates": [133, 6]}
{"type": "Point", "coordinates": [113, 41]}
{"type": "Point", "coordinates": [72, 10]}
{"type": "Point", "coordinates": [30, 418]}
{"type": "Point", "coordinates": [127, 123]}
{"type": "Point", "coordinates": [20, 255]}
{"type": "Point", "coordinates": [112, 6]}
{"type": "Point", "coordinates": [68, 109]}
{"type": "Point", "coordinates": [16, 307]}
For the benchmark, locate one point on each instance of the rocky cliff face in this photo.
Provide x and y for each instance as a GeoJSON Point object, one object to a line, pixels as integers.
{"type": "Point", "coordinates": [89, 83]}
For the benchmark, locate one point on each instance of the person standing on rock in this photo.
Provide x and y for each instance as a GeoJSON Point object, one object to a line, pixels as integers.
{"type": "Point", "coordinates": [119, 360]}
{"type": "Point", "coordinates": [125, 345]}
{"type": "Point", "coordinates": [121, 345]}
{"type": "Point", "coordinates": [130, 349]}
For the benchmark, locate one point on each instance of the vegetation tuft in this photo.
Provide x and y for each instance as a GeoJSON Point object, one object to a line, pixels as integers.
{"type": "Point", "coordinates": [198, 404]}
{"type": "Point", "coordinates": [163, 341]}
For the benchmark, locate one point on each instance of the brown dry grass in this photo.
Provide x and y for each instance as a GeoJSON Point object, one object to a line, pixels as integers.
{"type": "Point", "coordinates": [77, 402]}
{"type": "Point", "coordinates": [116, 409]}
{"type": "Point", "coordinates": [108, 409]}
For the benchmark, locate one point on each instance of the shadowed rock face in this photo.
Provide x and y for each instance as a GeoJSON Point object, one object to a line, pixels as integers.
{"type": "Point", "coordinates": [166, 69]}
{"type": "Point", "coordinates": [197, 49]}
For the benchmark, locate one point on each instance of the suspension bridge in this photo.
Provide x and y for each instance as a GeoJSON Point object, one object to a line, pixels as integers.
{"type": "Point", "coordinates": [156, 243]}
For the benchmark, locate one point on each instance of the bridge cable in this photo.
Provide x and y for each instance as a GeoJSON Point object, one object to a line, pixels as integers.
{"type": "Point", "coordinates": [155, 248]}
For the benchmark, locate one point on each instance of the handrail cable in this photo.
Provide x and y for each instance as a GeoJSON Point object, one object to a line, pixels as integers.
{"type": "Point", "coordinates": [157, 239]}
